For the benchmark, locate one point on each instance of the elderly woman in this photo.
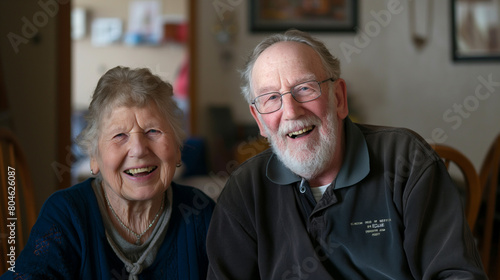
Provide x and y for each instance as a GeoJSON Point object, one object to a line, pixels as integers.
{"type": "Point", "coordinates": [130, 221]}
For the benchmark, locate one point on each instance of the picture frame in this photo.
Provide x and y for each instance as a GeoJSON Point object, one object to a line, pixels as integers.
{"type": "Point", "coordinates": [475, 30]}
{"type": "Point", "coordinates": [305, 15]}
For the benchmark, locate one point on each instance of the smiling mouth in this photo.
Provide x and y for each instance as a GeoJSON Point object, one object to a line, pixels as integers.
{"type": "Point", "coordinates": [138, 172]}
{"type": "Point", "coordinates": [301, 132]}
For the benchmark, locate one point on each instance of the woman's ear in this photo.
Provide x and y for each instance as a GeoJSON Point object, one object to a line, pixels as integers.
{"type": "Point", "coordinates": [94, 166]}
{"type": "Point", "coordinates": [179, 156]}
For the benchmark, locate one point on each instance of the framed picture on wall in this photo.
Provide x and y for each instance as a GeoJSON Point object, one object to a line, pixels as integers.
{"type": "Point", "coordinates": [476, 30]}
{"type": "Point", "coordinates": [305, 15]}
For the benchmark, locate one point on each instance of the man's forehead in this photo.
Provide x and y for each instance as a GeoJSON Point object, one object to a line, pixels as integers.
{"type": "Point", "coordinates": [286, 64]}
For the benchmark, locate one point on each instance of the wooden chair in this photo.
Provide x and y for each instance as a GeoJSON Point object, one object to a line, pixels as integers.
{"type": "Point", "coordinates": [17, 205]}
{"type": "Point", "coordinates": [472, 183]}
{"type": "Point", "coordinates": [250, 148]}
{"type": "Point", "coordinates": [489, 184]}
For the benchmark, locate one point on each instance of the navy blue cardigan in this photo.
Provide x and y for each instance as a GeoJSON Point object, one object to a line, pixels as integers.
{"type": "Point", "coordinates": [68, 240]}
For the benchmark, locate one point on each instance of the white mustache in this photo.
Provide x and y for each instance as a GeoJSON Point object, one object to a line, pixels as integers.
{"type": "Point", "coordinates": [290, 126]}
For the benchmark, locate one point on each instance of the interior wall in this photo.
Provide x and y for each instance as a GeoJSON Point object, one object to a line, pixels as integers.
{"type": "Point", "coordinates": [28, 50]}
{"type": "Point", "coordinates": [90, 62]}
{"type": "Point", "coordinates": [389, 81]}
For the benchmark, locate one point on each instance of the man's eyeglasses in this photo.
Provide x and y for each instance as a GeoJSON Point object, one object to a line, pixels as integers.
{"type": "Point", "coordinates": [304, 92]}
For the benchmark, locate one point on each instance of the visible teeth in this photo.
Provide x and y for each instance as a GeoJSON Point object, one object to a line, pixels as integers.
{"type": "Point", "coordinates": [134, 171]}
{"type": "Point", "coordinates": [295, 133]}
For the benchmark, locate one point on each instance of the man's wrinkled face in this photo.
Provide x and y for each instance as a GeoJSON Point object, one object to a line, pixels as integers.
{"type": "Point", "coordinates": [303, 135]}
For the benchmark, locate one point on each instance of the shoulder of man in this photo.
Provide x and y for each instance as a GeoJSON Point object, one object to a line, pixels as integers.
{"type": "Point", "coordinates": [248, 179]}
{"type": "Point", "coordinates": [395, 138]}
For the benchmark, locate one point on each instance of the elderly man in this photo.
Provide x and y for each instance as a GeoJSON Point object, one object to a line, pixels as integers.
{"type": "Point", "coordinates": [332, 199]}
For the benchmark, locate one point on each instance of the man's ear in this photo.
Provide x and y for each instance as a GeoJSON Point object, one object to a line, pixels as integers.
{"type": "Point", "coordinates": [340, 93]}
{"type": "Point", "coordinates": [255, 115]}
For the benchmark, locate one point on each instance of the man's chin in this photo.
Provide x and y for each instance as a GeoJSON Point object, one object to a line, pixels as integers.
{"type": "Point", "coordinates": [299, 162]}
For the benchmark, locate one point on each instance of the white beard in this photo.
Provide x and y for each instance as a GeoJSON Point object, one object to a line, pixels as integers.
{"type": "Point", "coordinates": [308, 159]}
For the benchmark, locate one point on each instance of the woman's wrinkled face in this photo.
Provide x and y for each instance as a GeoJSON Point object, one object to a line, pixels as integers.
{"type": "Point", "coordinates": [137, 152]}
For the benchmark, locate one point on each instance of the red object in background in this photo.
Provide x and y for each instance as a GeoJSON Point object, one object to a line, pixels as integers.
{"type": "Point", "coordinates": [175, 32]}
{"type": "Point", "coordinates": [181, 85]}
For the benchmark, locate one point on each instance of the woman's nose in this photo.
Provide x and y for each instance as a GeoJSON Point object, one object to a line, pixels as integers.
{"type": "Point", "coordinates": [138, 145]}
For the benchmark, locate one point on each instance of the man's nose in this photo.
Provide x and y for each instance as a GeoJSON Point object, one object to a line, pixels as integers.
{"type": "Point", "coordinates": [292, 109]}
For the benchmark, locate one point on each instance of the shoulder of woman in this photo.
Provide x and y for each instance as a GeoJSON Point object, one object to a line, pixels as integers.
{"type": "Point", "coordinates": [184, 192]}
{"type": "Point", "coordinates": [187, 196]}
{"type": "Point", "coordinates": [71, 201]}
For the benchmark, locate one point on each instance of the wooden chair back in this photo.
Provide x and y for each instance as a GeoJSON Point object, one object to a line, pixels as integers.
{"type": "Point", "coordinates": [17, 207]}
{"type": "Point", "coordinates": [471, 179]}
{"type": "Point", "coordinates": [489, 185]}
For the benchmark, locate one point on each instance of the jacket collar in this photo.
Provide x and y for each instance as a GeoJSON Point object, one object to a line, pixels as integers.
{"type": "Point", "coordinates": [355, 167]}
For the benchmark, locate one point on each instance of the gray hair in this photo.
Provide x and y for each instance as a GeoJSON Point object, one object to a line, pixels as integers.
{"type": "Point", "coordinates": [330, 63]}
{"type": "Point", "coordinates": [122, 86]}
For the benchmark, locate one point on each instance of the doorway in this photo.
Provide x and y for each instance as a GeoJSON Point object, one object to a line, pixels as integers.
{"type": "Point", "coordinates": [168, 58]}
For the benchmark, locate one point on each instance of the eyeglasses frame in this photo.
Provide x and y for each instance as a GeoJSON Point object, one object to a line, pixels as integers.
{"type": "Point", "coordinates": [290, 92]}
